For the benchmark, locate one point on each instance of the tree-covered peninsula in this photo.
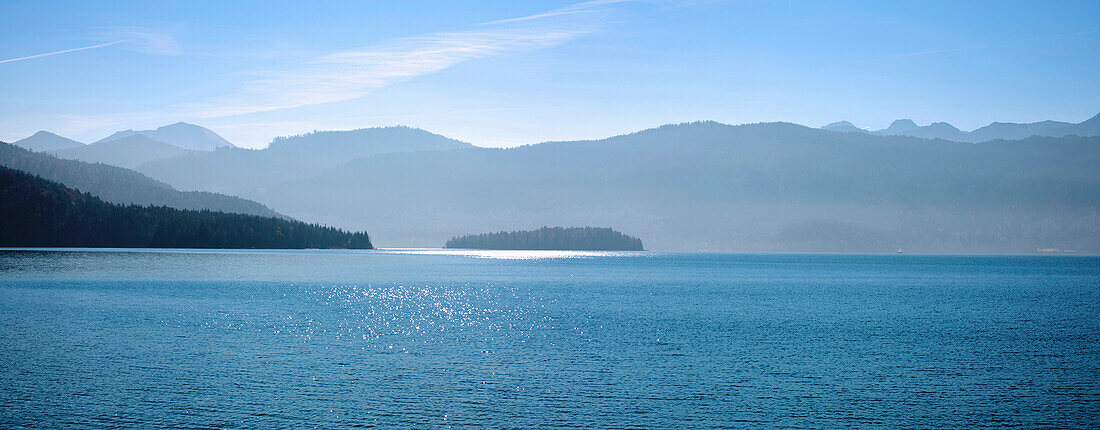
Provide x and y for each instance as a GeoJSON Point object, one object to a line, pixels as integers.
{"type": "Point", "coordinates": [550, 238]}
{"type": "Point", "coordinates": [37, 212]}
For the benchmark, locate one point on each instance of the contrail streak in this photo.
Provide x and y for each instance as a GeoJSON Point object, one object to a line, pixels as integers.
{"type": "Point", "coordinates": [65, 51]}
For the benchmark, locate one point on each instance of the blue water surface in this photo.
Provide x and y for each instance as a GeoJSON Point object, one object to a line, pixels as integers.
{"type": "Point", "coordinates": [420, 338]}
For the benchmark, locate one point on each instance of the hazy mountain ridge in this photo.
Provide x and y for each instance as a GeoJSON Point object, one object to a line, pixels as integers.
{"type": "Point", "coordinates": [122, 186]}
{"type": "Point", "coordinates": [993, 131]}
{"type": "Point", "coordinates": [692, 186]}
{"type": "Point", "coordinates": [759, 187]}
{"type": "Point", "coordinates": [899, 126]}
{"type": "Point", "coordinates": [1012, 131]}
{"type": "Point", "coordinates": [180, 134]}
{"type": "Point", "coordinates": [129, 152]}
{"type": "Point", "coordinates": [1090, 127]}
{"type": "Point", "coordinates": [130, 148]}
{"type": "Point", "coordinates": [842, 126]}
{"type": "Point", "coordinates": [44, 141]}
{"type": "Point", "coordinates": [248, 172]}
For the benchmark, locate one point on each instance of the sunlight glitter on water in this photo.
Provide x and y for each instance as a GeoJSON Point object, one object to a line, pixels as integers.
{"type": "Point", "coordinates": [511, 254]}
{"type": "Point", "coordinates": [387, 316]}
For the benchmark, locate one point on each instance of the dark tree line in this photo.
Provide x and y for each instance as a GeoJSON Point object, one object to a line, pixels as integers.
{"type": "Point", "coordinates": [122, 186]}
{"type": "Point", "coordinates": [551, 238]}
{"type": "Point", "coordinates": [37, 212]}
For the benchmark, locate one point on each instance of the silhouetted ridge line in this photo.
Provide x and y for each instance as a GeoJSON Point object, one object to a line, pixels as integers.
{"type": "Point", "coordinates": [37, 212]}
{"type": "Point", "coordinates": [550, 238]}
{"type": "Point", "coordinates": [991, 132]}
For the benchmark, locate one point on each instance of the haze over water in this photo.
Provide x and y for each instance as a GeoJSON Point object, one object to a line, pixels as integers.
{"type": "Point", "coordinates": [409, 338]}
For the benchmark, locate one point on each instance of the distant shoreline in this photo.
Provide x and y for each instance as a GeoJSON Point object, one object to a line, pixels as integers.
{"type": "Point", "coordinates": [459, 251]}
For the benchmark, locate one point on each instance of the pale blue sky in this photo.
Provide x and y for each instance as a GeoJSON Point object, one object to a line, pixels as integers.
{"type": "Point", "coordinates": [510, 73]}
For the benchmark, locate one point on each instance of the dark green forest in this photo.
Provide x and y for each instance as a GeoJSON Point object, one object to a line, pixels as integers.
{"type": "Point", "coordinates": [37, 212]}
{"type": "Point", "coordinates": [122, 186]}
{"type": "Point", "coordinates": [551, 238]}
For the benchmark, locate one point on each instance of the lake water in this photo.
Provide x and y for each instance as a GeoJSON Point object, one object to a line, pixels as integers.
{"type": "Point", "coordinates": [414, 338]}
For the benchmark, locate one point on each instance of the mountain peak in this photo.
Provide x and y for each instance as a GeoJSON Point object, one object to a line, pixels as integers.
{"type": "Point", "coordinates": [942, 126]}
{"type": "Point", "coordinates": [45, 141]}
{"type": "Point", "coordinates": [901, 125]}
{"type": "Point", "coordinates": [841, 126]}
{"type": "Point", "coordinates": [179, 125]}
{"type": "Point", "coordinates": [180, 134]}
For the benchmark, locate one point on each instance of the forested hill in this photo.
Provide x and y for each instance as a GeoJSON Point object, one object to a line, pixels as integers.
{"type": "Point", "coordinates": [551, 238]}
{"type": "Point", "coordinates": [122, 186]}
{"type": "Point", "coordinates": [37, 212]}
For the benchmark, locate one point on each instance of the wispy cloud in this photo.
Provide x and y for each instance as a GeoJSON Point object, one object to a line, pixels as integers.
{"type": "Point", "coordinates": [144, 40]}
{"type": "Point", "coordinates": [65, 51]}
{"type": "Point", "coordinates": [354, 73]}
{"type": "Point", "coordinates": [573, 9]}
{"type": "Point", "coordinates": [155, 41]}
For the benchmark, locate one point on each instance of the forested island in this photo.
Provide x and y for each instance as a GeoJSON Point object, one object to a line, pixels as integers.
{"type": "Point", "coordinates": [550, 238]}
{"type": "Point", "coordinates": [37, 212]}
